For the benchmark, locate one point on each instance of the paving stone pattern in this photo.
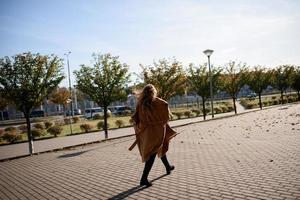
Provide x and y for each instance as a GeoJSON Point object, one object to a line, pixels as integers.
{"type": "Point", "coordinates": [251, 156]}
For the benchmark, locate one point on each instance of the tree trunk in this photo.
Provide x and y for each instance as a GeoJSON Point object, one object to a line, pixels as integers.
{"type": "Point", "coordinates": [105, 121]}
{"type": "Point", "coordinates": [259, 97]}
{"type": "Point", "coordinates": [203, 107]}
{"type": "Point", "coordinates": [281, 92]}
{"type": "Point", "coordinates": [298, 92]}
{"type": "Point", "coordinates": [234, 105]}
{"type": "Point", "coordinates": [2, 119]}
{"type": "Point", "coordinates": [29, 134]}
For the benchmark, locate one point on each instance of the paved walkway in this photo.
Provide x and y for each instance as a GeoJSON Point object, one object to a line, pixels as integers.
{"type": "Point", "coordinates": [252, 156]}
{"type": "Point", "coordinates": [21, 149]}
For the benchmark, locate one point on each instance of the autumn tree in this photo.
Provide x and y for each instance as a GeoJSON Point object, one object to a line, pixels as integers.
{"type": "Point", "coordinates": [234, 79]}
{"type": "Point", "coordinates": [296, 81]}
{"type": "Point", "coordinates": [258, 79]}
{"type": "Point", "coordinates": [26, 79]}
{"type": "Point", "coordinates": [3, 104]}
{"type": "Point", "coordinates": [167, 76]}
{"type": "Point", "coordinates": [105, 82]}
{"type": "Point", "coordinates": [198, 79]}
{"type": "Point", "coordinates": [282, 78]}
{"type": "Point", "coordinates": [60, 96]}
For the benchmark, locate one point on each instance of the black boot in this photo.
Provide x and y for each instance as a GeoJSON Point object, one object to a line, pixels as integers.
{"type": "Point", "coordinates": [169, 167]}
{"type": "Point", "coordinates": [148, 165]}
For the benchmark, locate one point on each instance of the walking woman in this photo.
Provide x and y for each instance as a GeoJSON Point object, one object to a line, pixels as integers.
{"type": "Point", "coordinates": [152, 130]}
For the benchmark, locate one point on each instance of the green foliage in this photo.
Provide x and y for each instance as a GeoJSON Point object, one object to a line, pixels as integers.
{"type": "Point", "coordinates": [234, 79]}
{"type": "Point", "coordinates": [26, 79]}
{"type": "Point", "coordinates": [119, 123]}
{"type": "Point", "coordinates": [48, 124]}
{"type": "Point", "coordinates": [296, 81]}
{"type": "Point", "coordinates": [198, 80]}
{"type": "Point", "coordinates": [55, 130]}
{"type": "Point", "coordinates": [105, 82]}
{"type": "Point", "coordinates": [218, 110]}
{"type": "Point", "coordinates": [167, 76]}
{"type": "Point", "coordinates": [86, 127]}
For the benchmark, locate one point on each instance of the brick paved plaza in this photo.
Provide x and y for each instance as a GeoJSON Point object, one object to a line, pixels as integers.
{"type": "Point", "coordinates": [250, 156]}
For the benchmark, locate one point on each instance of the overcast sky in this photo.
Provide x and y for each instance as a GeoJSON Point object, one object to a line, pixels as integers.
{"type": "Point", "coordinates": [252, 31]}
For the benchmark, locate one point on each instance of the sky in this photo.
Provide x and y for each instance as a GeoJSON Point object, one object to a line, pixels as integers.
{"type": "Point", "coordinates": [257, 32]}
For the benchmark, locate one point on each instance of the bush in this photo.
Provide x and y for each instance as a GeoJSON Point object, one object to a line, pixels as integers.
{"type": "Point", "coordinates": [36, 133]}
{"type": "Point", "coordinates": [59, 122]}
{"type": "Point", "coordinates": [275, 102]}
{"type": "Point", "coordinates": [188, 113]}
{"type": "Point", "coordinates": [12, 136]}
{"type": "Point", "coordinates": [48, 124]}
{"type": "Point", "coordinates": [197, 112]}
{"type": "Point", "coordinates": [265, 103]}
{"type": "Point", "coordinates": [291, 99]}
{"type": "Point", "coordinates": [67, 120]}
{"type": "Point", "coordinates": [224, 108]}
{"type": "Point", "coordinates": [273, 97]}
{"type": "Point", "coordinates": [23, 128]}
{"type": "Point", "coordinates": [218, 110]}
{"type": "Point", "coordinates": [11, 128]}
{"type": "Point", "coordinates": [76, 119]}
{"type": "Point", "coordinates": [86, 127]}
{"type": "Point", "coordinates": [100, 125]}
{"type": "Point", "coordinates": [1, 132]}
{"type": "Point", "coordinates": [178, 114]}
{"type": "Point", "coordinates": [55, 130]}
{"type": "Point", "coordinates": [207, 110]}
{"type": "Point", "coordinates": [131, 121]}
{"type": "Point", "coordinates": [39, 126]}
{"type": "Point", "coordinates": [119, 123]}
{"type": "Point", "coordinates": [98, 116]}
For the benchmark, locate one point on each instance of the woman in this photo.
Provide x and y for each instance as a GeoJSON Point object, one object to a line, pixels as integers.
{"type": "Point", "coordinates": [152, 131]}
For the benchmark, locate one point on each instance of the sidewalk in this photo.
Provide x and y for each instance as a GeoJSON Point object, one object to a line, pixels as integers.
{"type": "Point", "coordinates": [21, 149]}
{"type": "Point", "coordinates": [247, 157]}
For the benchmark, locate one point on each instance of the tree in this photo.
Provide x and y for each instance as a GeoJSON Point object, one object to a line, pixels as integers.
{"type": "Point", "coordinates": [3, 104]}
{"type": "Point", "coordinates": [198, 80]}
{"type": "Point", "coordinates": [104, 82]}
{"type": "Point", "coordinates": [296, 81]}
{"type": "Point", "coordinates": [234, 79]}
{"type": "Point", "coordinates": [26, 79]}
{"type": "Point", "coordinates": [258, 80]}
{"type": "Point", "coordinates": [60, 96]}
{"type": "Point", "coordinates": [282, 78]}
{"type": "Point", "coordinates": [167, 76]}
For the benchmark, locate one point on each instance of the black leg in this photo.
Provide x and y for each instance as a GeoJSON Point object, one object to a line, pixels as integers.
{"type": "Point", "coordinates": [169, 167]}
{"type": "Point", "coordinates": [147, 168]}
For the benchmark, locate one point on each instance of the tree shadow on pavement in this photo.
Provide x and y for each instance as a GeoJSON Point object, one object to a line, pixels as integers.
{"type": "Point", "coordinates": [72, 154]}
{"type": "Point", "coordinates": [133, 190]}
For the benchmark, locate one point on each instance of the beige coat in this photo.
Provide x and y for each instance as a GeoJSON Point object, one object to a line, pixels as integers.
{"type": "Point", "coordinates": [152, 131]}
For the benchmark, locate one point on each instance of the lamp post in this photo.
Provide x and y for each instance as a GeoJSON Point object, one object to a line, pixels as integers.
{"type": "Point", "coordinates": [208, 52]}
{"type": "Point", "coordinates": [70, 100]}
{"type": "Point", "coordinates": [71, 104]}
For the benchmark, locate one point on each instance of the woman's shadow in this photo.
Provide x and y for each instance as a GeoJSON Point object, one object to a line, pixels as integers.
{"type": "Point", "coordinates": [133, 190]}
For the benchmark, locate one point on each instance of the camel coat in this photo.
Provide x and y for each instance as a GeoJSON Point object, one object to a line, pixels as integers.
{"type": "Point", "coordinates": [152, 130]}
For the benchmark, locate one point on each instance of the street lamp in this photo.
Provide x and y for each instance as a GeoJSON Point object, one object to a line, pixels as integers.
{"type": "Point", "coordinates": [70, 100]}
{"type": "Point", "coordinates": [71, 104]}
{"type": "Point", "coordinates": [208, 52]}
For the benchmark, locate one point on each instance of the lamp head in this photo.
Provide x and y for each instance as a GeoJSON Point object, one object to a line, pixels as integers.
{"type": "Point", "coordinates": [208, 52]}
